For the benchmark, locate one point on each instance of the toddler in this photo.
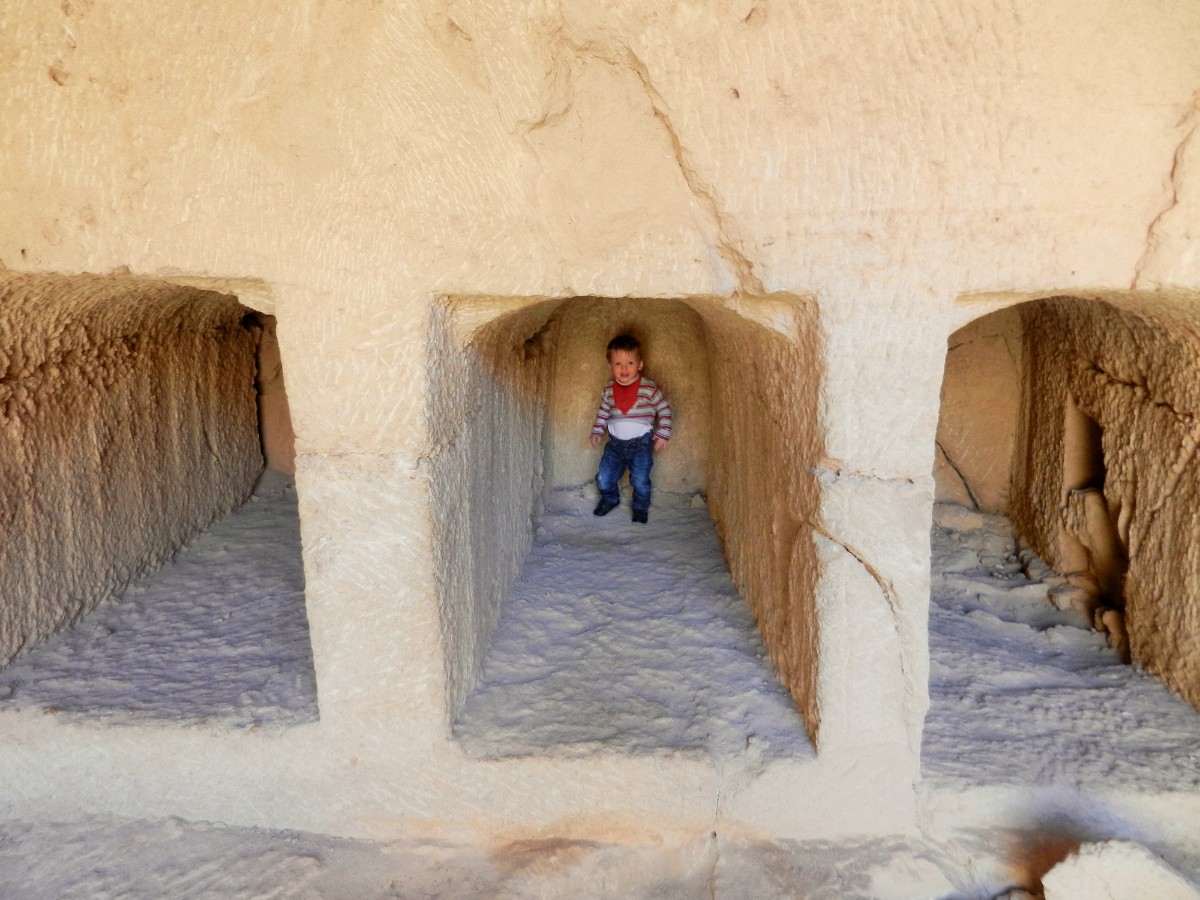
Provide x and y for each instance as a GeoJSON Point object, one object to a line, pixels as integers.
{"type": "Point", "coordinates": [638, 419]}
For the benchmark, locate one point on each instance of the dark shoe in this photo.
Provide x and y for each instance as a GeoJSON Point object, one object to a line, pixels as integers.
{"type": "Point", "coordinates": [604, 507]}
{"type": "Point", "coordinates": [641, 515]}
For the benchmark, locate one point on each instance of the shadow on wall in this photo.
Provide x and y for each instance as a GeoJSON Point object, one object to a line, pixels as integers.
{"type": "Point", "coordinates": [1077, 417]}
{"type": "Point", "coordinates": [130, 422]}
{"type": "Point", "coordinates": [514, 384]}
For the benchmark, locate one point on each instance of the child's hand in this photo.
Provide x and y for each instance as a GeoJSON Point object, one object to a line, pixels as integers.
{"type": "Point", "coordinates": [660, 443]}
{"type": "Point", "coordinates": [595, 441]}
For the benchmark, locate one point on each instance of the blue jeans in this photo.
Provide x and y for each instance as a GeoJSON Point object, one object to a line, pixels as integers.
{"type": "Point", "coordinates": [638, 456]}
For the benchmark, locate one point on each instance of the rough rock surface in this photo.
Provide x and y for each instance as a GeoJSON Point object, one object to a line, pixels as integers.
{"type": "Point", "coordinates": [624, 638]}
{"type": "Point", "coordinates": [1121, 377]}
{"type": "Point", "coordinates": [1023, 693]}
{"type": "Point", "coordinates": [216, 636]}
{"type": "Point", "coordinates": [980, 412]}
{"type": "Point", "coordinates": [129, 422]}
{"type": "Point", "coordinates": [903, 167]}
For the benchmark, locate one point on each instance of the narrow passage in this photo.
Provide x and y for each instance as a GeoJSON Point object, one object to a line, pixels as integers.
{"type": "Point", "coordinates": [628, 638]}
{"type": "Point", "coordinates": [219, 633]}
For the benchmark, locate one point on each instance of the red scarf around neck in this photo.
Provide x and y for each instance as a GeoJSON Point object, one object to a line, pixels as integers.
{"type": "Point", "coordinates": [625, 395]}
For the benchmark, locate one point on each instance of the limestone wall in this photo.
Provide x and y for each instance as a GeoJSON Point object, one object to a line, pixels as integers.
{"type": "Point", "coordinates": [1123, 371]}
{"type": "Point", "coordinates": [129, 423]}
{"type": "Point", "coordinates": [364, 160]}
{"type": "Point", "coordinates": [743, 376]}
{"type": "Point", "coordinates": [514, 392]}
{"type": "Point", "coordinates": [274, 414]}
{"type": "Point", "coordinates": [766, 442]}
{"type": "Point", "coordinates": [487, 414]}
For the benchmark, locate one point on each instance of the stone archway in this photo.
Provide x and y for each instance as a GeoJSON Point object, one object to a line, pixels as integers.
{"type": "Point", "coordinates": [137, 413]}
{"type": "Point", "coordinates": [1076, 416]}
{"type": "Point", "coordinates": [513, 388]}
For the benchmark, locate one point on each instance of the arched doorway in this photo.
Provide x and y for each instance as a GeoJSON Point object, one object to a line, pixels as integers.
{"type": "Point", "coordinates": [1067, 482]}
{"type": "Point", "coordinates": [137, 413]}
{"type": "Point", "coordinates": [511, 406]}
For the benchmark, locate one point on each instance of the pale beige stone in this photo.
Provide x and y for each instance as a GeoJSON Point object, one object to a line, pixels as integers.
{"type": "Point", "coordinates": [515, 391]}
{"type": "Point", "coordinates": [1113, 622]}
{"type": "Point", "coordinates": [818, 183]}
{"type": "Point", "coordinates": [1069, 596]}
{"type": "Point", "coordinates": [274, 415]}
{"type": "Point", "coordinates": [1115, 870]}
{"type": "Point", "coordinates": [1097, 421]}
{"type": "Point", "coordinates": [676, 351]}
{"type": "Point", "coordinates": [954, 516]}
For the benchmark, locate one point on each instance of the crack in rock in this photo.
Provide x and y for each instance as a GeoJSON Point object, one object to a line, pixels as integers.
{"type": "Point", "coordinates": [743, 269]}
{"type": "Point", "coordinates": [562, 73]}
{"type": "Point", "coordinates": [961, 477]}
{"type": "Point", "coordinates": [893, 602]}
{"type": "Point", "coordinates": [1187, 452]}
{"type": "Point", "coordinates": [1142, 391]}
{"type": "Point", "coordinates": [885, 584]}
{"type": "Point", "coordinates": [712, 873]}
{"type": "Point", "coordinates": [1190, 121]}
{"type": "Point", "coordinates": [563, 54]}
{"type": "Point", "coordinates": [830, 471]}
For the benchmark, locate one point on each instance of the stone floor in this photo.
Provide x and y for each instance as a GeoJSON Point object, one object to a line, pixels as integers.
{"type": "Point", "coordinates": [634, 646]}
{"type": "Point", "coordinates": [218, 634]}
{"type": "Point", "coordinates": [1037, 739]}
{"type": "Point", "coordinates": [1022, 693]}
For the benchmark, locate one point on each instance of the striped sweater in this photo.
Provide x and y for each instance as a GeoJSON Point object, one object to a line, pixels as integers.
{"type": "Point", "coordinates": [650, 405]}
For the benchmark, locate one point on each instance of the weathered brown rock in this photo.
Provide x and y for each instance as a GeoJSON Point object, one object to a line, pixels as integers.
{"type": "Point", "coordinates": [1131, 366]}
{"type": "Point", "coordinates": [129, 423]}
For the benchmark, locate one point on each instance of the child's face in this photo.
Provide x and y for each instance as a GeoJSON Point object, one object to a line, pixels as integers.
{"type": "Point", "coordinates": [626, 365]}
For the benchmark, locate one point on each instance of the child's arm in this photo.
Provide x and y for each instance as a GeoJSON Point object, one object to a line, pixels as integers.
{"type": "Point", "coordinates": [662, 413]}
{"type": "Point", "coordinates": [600, 425]}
